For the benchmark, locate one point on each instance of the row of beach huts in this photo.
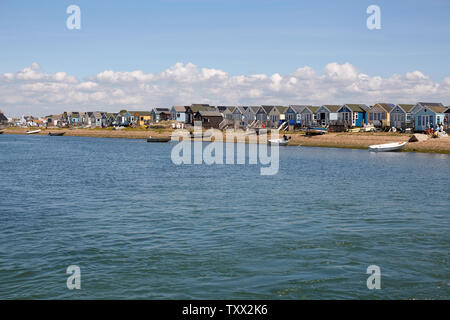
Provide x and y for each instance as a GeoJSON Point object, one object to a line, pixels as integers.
{"type": "Point", "coordinates": [417, 117]}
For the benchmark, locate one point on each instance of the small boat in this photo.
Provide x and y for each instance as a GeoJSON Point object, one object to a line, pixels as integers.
{"type": "Point", "coordinates": [395, 146]}
{"type": "Point", "coordinates": [162, 139]}
{"type": "Point", "coordinates": [311, 131]}
{"type": "Point", "coordinates": [33, 131]}
{"type": "Point", "coordinates": [1, 131]}
{"type": "Point", "coordinates": [279, 142]}
{"type": "Point", "coordinates": [200, 135]}
{"type": "Point", "coordinates": [56, 134]}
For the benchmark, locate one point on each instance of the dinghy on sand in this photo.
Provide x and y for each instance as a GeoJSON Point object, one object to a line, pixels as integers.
{"type": "Point", "coordinates": [279, 142]}
{"type": "Point", "coordinates": [395, 146]}
{"type": "Point", "coordinates": [33, 131]}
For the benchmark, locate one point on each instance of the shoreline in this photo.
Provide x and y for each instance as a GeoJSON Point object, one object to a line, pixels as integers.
{"type": "Point", "coordinates": [329, 140]}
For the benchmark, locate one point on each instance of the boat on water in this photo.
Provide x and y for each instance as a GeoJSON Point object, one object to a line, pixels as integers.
{"type": "Point", "coordinates": [1, 131]}
{"type": "Point", "coordinates": [162, 139]}
{"type": "Point", "coordinates": [311, 131]}
{"type": "Point", "coordinates": [56, 134]}
{"type": "Point", "coordinates": [279, 142]}
{"type": "Point", "coordinates": [387, 147]}
{"type": "Point", "coordinates": [33, 131]}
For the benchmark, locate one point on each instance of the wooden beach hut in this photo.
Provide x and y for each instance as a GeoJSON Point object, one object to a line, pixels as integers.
{"type": "Point", "coordinates": [353, 114]}
{"type": "Point", "coordinates": [160, 114]}
{"type": "Point", "coordinates": [193, 109]}
{"type": "Point", "coordinates": [401, 117]}
{"type": "Point", "coordinates": [379, 114]}
{"type": "Point", "coordinates": [308, 116]}
{"type": "Point", "coordinates": [430, 114]}
{"type": "Point", "coordinates": [178, 113]}
{"type": "Point", "coordinates": [3, 119]}
{"type": "Point", "coordinates": [209, 119]}
{"type": "Point", "coordinates": [141, 118]}
{"type": "Point", "coordinates": [327, 113]}
{"type": "Point", "coordinates": [447, 117]}
{"type": "Point", "coordinates": [293, 114]}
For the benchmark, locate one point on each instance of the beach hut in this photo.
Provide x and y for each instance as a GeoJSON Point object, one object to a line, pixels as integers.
{"type": "Point", "coordinates": [327, 113]}
{"type": "Point", "coordinates": [111, 119]}
{"type": "Point", "coordinates": [400, 116]}
{"type": "Point", "coordinates": [160, 114]}
{"type": "Point", "coordinates": [426, 114]}
{"type": "Point", "coordinates": [239, 117]}
{"type": "Point", "coordinates": [293, 114]}
{"type": "Point", "coordinates": [251, 114]}
{"type": "Point", "coordinates": [193, 109]}
{"type": "Point", "coordinates": [74, 118]}
{"type": "Point", "coordinates": [308, 116]}
{"type": "Point", "coordinates": [141, 118]}
{"type": "Point", "coordinates": [379, 114]}
{"type": "Point", "coordinates": [178, 113]}
{"type": "Point", "coordinates": [228, 112]}
{"type": "Point", "coordinates": [261, 115]}
{"type": "Point", "coordinates": [276, 116]}
{"type": "Point", "coordinates": [124, 118]}
{"type": "Point", "coordinates": [3, 119]}
{"type": "Point", "coordinates": [353, 114]}
{"type": "Point", "coordinates": [237, 114]}
{"type": "Point", "coordinates": [447, 117]}
{"type": "Point", "coordinates": [84, 119]}
{"type": "Point", "coordinates": [98, 119]}
{"type": "Point", "coordinates": [209, 119]}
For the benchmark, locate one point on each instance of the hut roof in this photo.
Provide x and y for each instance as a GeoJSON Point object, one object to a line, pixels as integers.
{"type": "Point", "coordinates": [332, 107]}
{"type": "Point", "coordinates": [386, 106]}
{"type": "Point", "coordinates": [140, 113]}
{"type": "Point", "coordinates": [3, 117]}
{"type": "Point", "coordinates": [179, 108]}
{"type": "Point", "coordinates": [210, 113]}
{"type": "Point", "coordinates": [357, 107]}
{"type": "Point", "coordinates": [196, 108]}
{"type": "Point", "coordinates": [406, 107]}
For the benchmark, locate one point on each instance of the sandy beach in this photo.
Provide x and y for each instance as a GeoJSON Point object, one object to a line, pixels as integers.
{"type": "Point", "coordinates": [330, 140]}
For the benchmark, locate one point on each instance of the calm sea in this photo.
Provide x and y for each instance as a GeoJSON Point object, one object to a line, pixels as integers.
{"type": "Point", "coordinates": [140, 227]}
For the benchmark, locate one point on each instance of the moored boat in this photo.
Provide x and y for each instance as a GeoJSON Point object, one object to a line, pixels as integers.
{"type": "Point", "coordinates": [386, 147]}
{"type": "Point", "coordinates": [279, 142]}
{"type": "Point", "coordinates": [33, 131]}
{"type": "Point", "coordinates": [315, 131]}
{"type": "Point", "coordinates": [1, 131]}
{"type": "Point", "coordinates": [56, 134]}
{"type": "Point", "coordinates": [202, 135]}
{"type": "Point", "coordinates": [162, 139]}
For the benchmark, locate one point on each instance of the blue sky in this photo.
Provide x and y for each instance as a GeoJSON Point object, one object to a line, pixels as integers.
{"type": "Point", "coordinates": [141, 54]}
{"type": "Point", "coordinates": [240, 37]}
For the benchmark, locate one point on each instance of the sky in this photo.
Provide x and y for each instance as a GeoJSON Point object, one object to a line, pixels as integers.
{"type": "Point", "coordinates": [141, 54]}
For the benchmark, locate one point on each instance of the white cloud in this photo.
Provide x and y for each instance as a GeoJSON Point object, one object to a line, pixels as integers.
{"type": "Point", "coordinates": [32, 91]}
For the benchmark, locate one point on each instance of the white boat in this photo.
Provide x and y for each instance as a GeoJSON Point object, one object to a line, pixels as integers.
{"type": "Point", "coordinates": [394, 146]}
{"type": "Point", "coordinates": [33, 131]}
{"type": "Point", "coordinates": [279, 142]}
